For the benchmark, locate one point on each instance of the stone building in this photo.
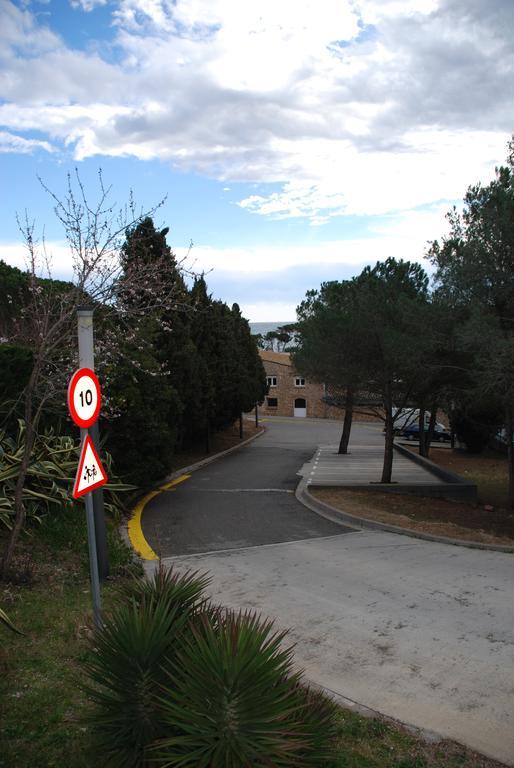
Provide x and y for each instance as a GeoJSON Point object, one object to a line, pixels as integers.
{"type": "Point", "coordinates": [290, 393]}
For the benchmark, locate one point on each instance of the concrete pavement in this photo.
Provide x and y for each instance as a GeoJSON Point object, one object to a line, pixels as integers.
{"type": "Point", "coordinates": [363, 464]}
{"type": "Point", "coordinates": [419, 631]}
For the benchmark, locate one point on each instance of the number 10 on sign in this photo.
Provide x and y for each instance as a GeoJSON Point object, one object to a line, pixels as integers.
{"type": "Point", "coordinates": [84, 397]}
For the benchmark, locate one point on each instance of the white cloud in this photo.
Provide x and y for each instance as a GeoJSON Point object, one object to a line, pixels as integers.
{"type": "Point", "coordinates": [263, 311]}
{"type": "Point", "coordinates": [403, 236]}
{"type": "Point", "coordinates": [433, 165]}
{"type": "Point", "coordinates": [87, 5]}
{"type": "Point", "coordinates": [9, 142]}
{"type": "Point", "coordinates": [359, 107]}
{"type": "Point", "coordinates": [281, 275]}
{"type": "Point", "coordinates": [56, 256]}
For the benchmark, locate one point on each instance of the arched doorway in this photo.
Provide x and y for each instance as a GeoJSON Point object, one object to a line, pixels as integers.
{"type": "Point", "coordinates": [300, 407]}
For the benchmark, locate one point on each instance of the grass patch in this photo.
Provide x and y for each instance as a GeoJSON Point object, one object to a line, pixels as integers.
{"type": "Point", "coordinates": [41, 706]}
{"type": "Point", "coordinates": [377, 743]}
{"type": "Point", "coordinates": [488, 470]}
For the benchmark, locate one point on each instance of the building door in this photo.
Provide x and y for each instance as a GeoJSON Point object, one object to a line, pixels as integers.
{"type": "Point", "coordinates": [300, 407]}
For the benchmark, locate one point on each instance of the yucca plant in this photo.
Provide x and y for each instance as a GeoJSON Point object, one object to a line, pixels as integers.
{"type": "Point", "coordinates": [6, 621]}
{"type": "Point", "coordinates": [317, 715]}
{"type": "Point", "coordinates": [137, 642]}
{"type": "Point", "coordinates": [185, 589]}
{"type": "Point", "coordinates": [178, 682]}
{"type": "Point", "coordinates": [231, 699]}
{"type": "Point", "coordinates": [49, 477]}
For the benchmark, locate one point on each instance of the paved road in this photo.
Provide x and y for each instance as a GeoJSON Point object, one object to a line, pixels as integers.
{"type": "Point", "coordinates": [245, 499]}
{"type": "Point", "coordinates": [423, 632]}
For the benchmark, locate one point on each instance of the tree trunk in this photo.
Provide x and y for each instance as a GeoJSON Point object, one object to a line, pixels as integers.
{"type": "Point", "coordinates": [430, 431]}
{"type": "Point", "coordinates": [509, 428]}
{"type": "Point", "coordinates": [422, 436]}
{"type": "Point", "coordinates": [387, 468]}
{"type": "Point", "coordinates": [347, 424]}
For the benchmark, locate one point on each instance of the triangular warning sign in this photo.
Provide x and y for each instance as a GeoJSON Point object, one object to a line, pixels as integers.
{"type": "Point", "coordinates": [90, 474]}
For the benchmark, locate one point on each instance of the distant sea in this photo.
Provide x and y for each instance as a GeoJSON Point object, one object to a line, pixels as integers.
{"type": "Point", "coordinates": [265, 328]}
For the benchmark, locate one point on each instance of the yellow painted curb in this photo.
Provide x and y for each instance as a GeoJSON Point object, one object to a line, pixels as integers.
{"type": "Point", "coordinates": [176, 481]}
{"type": "Point", "coordinates": [134, 529]}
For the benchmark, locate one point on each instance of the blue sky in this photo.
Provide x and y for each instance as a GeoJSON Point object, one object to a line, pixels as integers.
{"type": "Point", "coordinates": [295, 142]}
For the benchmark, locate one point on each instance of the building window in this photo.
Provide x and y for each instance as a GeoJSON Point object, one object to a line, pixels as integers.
{"type": "Point", "coordinates": [272, 402]}
{"type": "Point", "coordinates": [299, 382]}
{"type": "Point", "coordinates": [271, 381]}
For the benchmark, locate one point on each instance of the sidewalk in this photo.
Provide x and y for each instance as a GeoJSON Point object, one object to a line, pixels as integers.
{"type": "Point", "coordinates": [361, 466]}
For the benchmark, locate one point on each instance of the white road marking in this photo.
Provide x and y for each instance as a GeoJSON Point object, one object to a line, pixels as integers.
{"type": "Point", "coordinates": [242, 490]}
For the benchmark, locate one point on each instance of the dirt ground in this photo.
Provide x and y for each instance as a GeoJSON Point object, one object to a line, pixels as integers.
{"type": "Point", "coordinates": [488, 470]}
{"type": "Point", "coordinates": [436, 516]}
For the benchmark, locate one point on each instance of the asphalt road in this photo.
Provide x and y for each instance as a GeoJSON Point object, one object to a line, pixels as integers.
{"type": "Point", "coordinates": [246, 498]}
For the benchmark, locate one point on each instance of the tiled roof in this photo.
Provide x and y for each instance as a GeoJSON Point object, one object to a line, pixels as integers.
{"type": "Point", "coordinates": [282, 358]}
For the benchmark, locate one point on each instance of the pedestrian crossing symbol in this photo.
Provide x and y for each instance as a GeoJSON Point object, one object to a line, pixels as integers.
{"type": "Point", "coordinates": [90, 474]}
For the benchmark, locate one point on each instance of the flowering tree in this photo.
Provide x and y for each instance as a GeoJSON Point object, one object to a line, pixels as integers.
{"type": "Point", "coordinates": [46, 321]}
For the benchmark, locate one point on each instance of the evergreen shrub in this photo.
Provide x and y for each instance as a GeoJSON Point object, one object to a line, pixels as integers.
{"type": "Point", "coordinates": [136, 644]}
{"type": "Point", "coordinates": [178, 682]}
{"type": "Point", "coordinates": [15, 368]}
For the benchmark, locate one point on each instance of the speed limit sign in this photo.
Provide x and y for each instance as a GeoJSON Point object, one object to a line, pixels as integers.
{"type": "Point", "coordinates": [84, 397]}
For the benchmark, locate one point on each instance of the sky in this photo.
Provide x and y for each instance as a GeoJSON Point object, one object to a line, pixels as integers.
{"type": "Point", "coordinates": [294, 142]}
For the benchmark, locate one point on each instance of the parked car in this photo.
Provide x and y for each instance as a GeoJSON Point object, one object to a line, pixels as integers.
{"type": "Point", "coordinates": [501, 436]}
{"type": "Point", "coordinates": [441, 434]}
{"type": "Point", "coordinates": [404, 417]}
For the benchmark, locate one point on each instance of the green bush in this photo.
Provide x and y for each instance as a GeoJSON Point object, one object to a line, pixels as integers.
{"type": "Point", "coordinates": [50, 475]}
{"type": "Point", "coordinates": [15, 368]}
{"type": "Point", "coordinates": [476, 425]}
{"type": "Point", "coordinates": [138, 640]}
{"type": "Point", "coordinates": [177, 682]}
{"type": "Point", "coordinates": [318, 715]}
{"type": "Point", "coordinates": [231, 699]}
{"type": "Point", "coordinates": [142, 438]}
{"type": "Point", "coordinates": [177, 591]}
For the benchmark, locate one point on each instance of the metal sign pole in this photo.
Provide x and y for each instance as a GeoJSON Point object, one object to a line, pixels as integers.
{"type": "Point", "coordinates": [84, 401]}
{"type": "Point", "coordinates": [87, 360]}
{"type": "Point", "coordinates": [93, 561]}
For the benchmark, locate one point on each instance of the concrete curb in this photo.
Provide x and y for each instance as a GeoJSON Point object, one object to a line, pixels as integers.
{"type": "Point", "coordinates": [361, 709]}
{"type": "Point", "coordinates": [461, 488]}
{"type": "Point", "coordinates": [435, 469]}
{"type": "Point", "coordinates": [344, 518]}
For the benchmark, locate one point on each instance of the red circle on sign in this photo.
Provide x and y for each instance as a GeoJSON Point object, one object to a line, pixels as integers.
{"type": "Point", "coordinates": [84, 397]}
